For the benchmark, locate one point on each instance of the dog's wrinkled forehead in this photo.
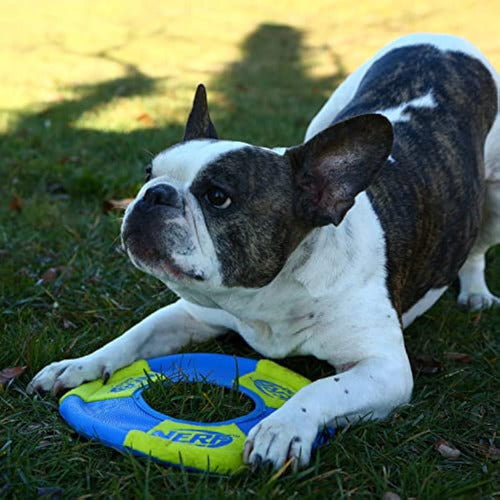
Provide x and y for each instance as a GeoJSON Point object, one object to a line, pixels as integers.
{"type": "Point", "coordinates": [181, 163]}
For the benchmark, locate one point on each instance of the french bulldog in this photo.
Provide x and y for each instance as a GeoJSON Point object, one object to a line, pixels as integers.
{"type": "Point", "coordinates": [329, 248]}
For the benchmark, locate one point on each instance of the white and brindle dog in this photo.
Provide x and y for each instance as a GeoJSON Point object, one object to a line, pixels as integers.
{"type": "Point", "coordinates": [329, 248]}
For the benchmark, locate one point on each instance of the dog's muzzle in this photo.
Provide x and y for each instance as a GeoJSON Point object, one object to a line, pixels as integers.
{"type": "Point", "coordinates": [155, 229]}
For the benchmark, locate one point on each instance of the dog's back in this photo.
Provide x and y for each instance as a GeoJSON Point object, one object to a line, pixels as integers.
{"type": "Point", "coordinates": [441, 98]}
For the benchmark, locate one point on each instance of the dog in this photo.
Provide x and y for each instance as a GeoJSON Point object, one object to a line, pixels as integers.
{"type": "Point", "coordinates": [329, 248]}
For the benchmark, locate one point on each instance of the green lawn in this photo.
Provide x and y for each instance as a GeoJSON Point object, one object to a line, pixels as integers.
{"type": "Point", "coordinates": [89, 91]}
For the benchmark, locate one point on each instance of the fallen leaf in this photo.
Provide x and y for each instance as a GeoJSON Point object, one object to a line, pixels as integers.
{"type": "Point", "coordinates": [446, 450]}
{"type": "Point", "coordinates": [52, 273]}
{"type": "Point", "coordinates": [109, 205]}
{"type": "Point", "coordinates": [427, 364]}
{"type": "Point", "coordinates": [145, 119]}
{"type": "Point", "coordinates": [461, 357]}
{"type": "Point", "coordinates": [16, 205]}
{"type": "Point", "coordinates": [7, 374]}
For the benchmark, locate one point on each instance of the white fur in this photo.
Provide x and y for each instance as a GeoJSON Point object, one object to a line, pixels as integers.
{"type": "Point", "coordinates": [425, 303]}
{"type": "Point", "coordinates": [180, 164]}
{"type": "Point", "coordinates": [400, 113]}
{"type": "Point", "coordinates": [492, 146]}
{"type": "Point", "coordinates": [273, 319]}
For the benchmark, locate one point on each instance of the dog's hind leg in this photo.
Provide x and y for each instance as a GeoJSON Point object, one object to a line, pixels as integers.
{"type": "Point", "coordinates": [474, 293]}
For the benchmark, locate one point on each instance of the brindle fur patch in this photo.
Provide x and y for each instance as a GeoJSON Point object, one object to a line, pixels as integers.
{"type": "Point", "coordinates": [429, 198]}
{"type": "Point", "coordinates": [254, 236]}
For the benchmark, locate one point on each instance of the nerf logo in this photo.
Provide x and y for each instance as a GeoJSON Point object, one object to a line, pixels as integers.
{"type": "Point", "coordinates": [273, 390]}
{"type": "Point", "coordinates": [129, 383]}
{"type": "Point", "coordinates": [202, 439]}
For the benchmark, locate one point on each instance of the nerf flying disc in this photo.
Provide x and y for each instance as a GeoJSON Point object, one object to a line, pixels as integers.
{"type": "Point", "coordinates": [116, 414]}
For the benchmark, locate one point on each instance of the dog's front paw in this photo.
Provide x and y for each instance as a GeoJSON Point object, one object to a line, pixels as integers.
{"type": "Point", "coordinates": [279, 438]}
{"type": "Point", "coordinates": [478, 301]}
{"type": "Point", "coordinates": [69, 373]}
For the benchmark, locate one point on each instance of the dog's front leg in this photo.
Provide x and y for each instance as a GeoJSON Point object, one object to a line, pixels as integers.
{"type": "Point", "coordinates": [163, 332]}
{"type": "Point", "coordinates": [371, 389]}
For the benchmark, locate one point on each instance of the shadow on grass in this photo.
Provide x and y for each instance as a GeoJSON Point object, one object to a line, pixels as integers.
{"type": "Point", "coordinates": [46, 150]}
{"type": "Point", "coordinates": [269, 95]}
{"type": "Point", "coordinates": [267, 98]}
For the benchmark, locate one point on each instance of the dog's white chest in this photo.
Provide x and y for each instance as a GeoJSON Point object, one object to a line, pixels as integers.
{"type": "Point", "coordinates": [278, 339]}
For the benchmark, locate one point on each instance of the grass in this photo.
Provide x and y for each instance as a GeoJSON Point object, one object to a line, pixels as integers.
{"type": "Point", "coordinates": [197, 400]}
{"type": "Point", "coordinates": [90, 91]}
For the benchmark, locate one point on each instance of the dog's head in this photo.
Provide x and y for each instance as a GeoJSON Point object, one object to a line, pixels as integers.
{"type": "Point", "coordinates": [224, 213]}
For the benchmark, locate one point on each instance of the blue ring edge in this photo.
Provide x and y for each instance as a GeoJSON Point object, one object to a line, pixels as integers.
{"type": "Point", "coordinates": [96, 430]}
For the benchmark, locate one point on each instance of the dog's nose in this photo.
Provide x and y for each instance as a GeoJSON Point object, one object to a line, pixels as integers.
{"type": "Point", "coordinates": [162, 194]}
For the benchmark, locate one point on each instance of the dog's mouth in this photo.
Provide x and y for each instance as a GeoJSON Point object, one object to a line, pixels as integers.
{"type": "Point", "coordinates": [146, 254]}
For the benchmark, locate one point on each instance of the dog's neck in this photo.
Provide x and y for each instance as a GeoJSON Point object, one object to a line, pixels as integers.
{"type": "Point", "coordinates": [313, 270]}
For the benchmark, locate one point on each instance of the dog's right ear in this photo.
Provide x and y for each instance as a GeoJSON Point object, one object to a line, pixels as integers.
{"type": "Point", "coordinates": [199, 125]}
{"type": "Point", "coordinates": [337, 164]}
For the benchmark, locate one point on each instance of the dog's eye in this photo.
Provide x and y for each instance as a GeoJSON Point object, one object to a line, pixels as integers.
{"type": "Point", "coordinates": [218, 198]}
{"type": "Point", "coordinates": [149, 172]}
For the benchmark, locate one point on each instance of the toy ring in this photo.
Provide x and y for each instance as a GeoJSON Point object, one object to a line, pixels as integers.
{"type": "Point", "coordinates": [117, 415]}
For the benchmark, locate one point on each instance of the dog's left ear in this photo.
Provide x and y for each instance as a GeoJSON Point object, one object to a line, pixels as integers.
{"type": "Point", "coordinates": [337, 164]}
{"type": "Point", "coordinates": [199, 125]}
